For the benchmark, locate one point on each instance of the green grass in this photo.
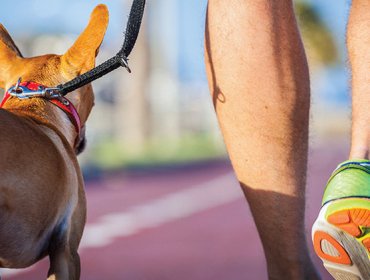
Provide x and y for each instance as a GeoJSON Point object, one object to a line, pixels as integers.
{"type": "Point", "coordinates": [111, 154]}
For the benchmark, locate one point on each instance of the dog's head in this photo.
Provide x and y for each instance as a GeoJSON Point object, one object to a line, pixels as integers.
{"type": "Point", "coordinates": [51, 70]}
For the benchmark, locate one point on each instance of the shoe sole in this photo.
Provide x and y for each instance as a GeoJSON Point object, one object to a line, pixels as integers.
{"type": "Point", "coordinates": [341, 238]}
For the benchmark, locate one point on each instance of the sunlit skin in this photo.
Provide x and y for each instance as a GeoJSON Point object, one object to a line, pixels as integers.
{"type": "Point", "coordinates": [42, 200]}
{"type": "Point", "coordinates": [259, 81]}
{"type": "Point", "coordinates": [358, 40]}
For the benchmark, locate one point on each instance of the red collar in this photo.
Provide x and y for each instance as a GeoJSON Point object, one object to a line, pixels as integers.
{"type": "Point", "coordinates": [63, 103]}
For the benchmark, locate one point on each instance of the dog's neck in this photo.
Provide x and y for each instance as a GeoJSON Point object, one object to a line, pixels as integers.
{"type": "Point", "coordinates": [46, 114]}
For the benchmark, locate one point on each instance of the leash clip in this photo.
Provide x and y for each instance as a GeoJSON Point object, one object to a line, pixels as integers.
{"type": "Point", "coordinates": [16, 87]}
{"type": "Point", "coordinates": [123, 61]}
{"type": "Point", "coordinates": [23, 92]}
{"type": "Point", "coordinates": [52, 93]}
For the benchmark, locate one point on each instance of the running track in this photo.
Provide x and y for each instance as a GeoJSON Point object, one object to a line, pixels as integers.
{"type": "Point", "coordinates": [185, 223]}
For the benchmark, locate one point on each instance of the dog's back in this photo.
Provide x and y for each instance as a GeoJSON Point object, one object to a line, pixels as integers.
{"type": "Point", "coordinates": [42, 199]}
{"type": "Point", "coordinates": [35, 183]}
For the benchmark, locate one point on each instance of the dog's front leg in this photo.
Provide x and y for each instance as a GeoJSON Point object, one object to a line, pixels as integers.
{"type": "Point", "coordinates": [64, 265]}
{"type": "Point", "coordinates": [64, 258]}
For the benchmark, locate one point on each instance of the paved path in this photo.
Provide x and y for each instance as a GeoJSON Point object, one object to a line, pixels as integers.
{"type": "Point", "coordinates": [190, 223]}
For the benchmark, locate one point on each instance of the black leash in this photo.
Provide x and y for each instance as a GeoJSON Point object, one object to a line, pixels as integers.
{"type": "Point", "coordinates": [119, 60]}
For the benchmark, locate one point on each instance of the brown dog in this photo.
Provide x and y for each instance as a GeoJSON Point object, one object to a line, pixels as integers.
{"type": "Point", "coordinates": [42, 200]}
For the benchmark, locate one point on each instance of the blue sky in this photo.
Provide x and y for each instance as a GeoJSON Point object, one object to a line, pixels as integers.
{"type": "Point", "coordinates": [333, 86]}
{"type": "Point", "coordinates": [62, 16]}
{"type": "Point", "coordinates": [334, 13]}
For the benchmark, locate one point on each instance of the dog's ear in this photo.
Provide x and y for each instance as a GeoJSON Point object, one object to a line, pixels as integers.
{"type": "Point", "coordinates": [8, 41]}
{"type": "Point", "coordinates": [81, 56]}
{"type": "Point", "coordinates": [8, 54]}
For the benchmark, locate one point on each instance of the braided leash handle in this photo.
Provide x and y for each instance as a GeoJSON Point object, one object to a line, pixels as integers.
{"type": "Point", "coordinates": [120, 59]}
{"type": "Point", "coordinates": [89, 76]}
{"type": "Point", "coordinates": [132, 28]}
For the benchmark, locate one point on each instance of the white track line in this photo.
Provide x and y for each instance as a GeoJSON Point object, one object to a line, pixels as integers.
{"type": "Point", "coordinates": [171, 207]}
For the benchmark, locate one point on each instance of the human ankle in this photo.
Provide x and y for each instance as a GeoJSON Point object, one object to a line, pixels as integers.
{"type": "Point", "coordinates": [311, 274]}
{"type": "Point", "coordinates": [294, 270]}
{"type": "Point", "coordinates": [361, 152]}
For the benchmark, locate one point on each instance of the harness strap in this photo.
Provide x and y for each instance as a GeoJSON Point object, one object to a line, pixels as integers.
{"type": "Point", "coordinates": [70, 110]}
{"type": "Point", "coordinates": [62, 103]}
{"type": "Point", "coordinates": [5, 98]}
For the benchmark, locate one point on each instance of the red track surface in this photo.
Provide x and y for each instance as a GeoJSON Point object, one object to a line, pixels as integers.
{"type": "Point", "coordinates": [218, 243]}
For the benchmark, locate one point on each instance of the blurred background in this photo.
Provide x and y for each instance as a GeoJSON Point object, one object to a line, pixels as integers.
{"type": "Point", "coordinates": [153, 135]}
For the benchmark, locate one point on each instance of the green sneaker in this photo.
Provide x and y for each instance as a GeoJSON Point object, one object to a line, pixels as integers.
{"type": "Point", "coordinates": [341, 233]}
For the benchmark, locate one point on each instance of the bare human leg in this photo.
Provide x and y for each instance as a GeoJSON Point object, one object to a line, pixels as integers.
{"type": "Point", "coordinates": [358, 41]}
{"type": "Point", "coordinates": [259, 80]}
{"type": "Point", "coordinates": [339, 233]}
